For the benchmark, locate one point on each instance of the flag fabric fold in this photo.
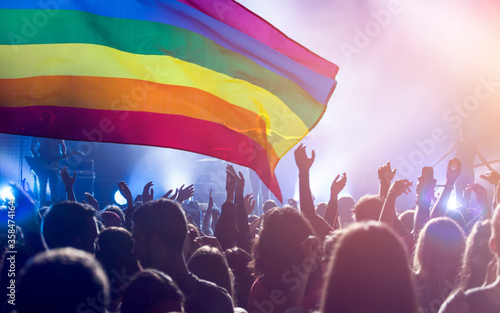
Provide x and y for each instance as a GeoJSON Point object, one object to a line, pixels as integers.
{"type": "Point", "coordinates": [189, 75]}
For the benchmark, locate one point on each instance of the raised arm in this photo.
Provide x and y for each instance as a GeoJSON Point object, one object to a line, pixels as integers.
{"type": "Point", "coordinates": [68, 182]}
{"type": "Point", "coordinates": [125, 191]}
{"type": "Point", "coordinates": [243, 239]}
{"type": "Point", "coordinates": [452, 173]}
{"type": "Point", "coordinates": [425, 194]}
{"type": "Point", "coordinates": [388, 213]}
{"type": "Point", "coordinates": [332, 212]}
{"type": "Point", "coordinates": [147, 192]}
{"type": "Point", "coordinates": [185, 193]}
{"type": "Point", "coordinates": [493, 178]}
{"type": "Point", "coordinates": [482, 200]}
{"type": "Point", "coordinates": [205, 224]}
{"type": "Point", "coordinates": [385, 176]}
{"type": "Point", "coordinates": [304, 163]}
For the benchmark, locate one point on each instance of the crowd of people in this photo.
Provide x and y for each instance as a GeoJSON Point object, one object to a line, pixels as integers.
{"type": "Point", "coordinates": [341, 256]}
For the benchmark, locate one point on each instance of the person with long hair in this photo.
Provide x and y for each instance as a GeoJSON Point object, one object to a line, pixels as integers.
{"type": "Point", "coordinates": [437, 261]}
{"type": "Point", "coordinates": [287, 270]}
{"type": "Point", "coordinates": [477, 256]}
{"type": "Point", "coordinates": [369, 273]}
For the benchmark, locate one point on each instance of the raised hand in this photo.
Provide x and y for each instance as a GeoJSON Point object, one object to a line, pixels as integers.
{"type": "Point", "coordinates": [230, 184]}
{"type": "Point", "coordinates": [453, 171]}
{"type": "Point", "coordinates": [338, 185]}
{"type": "Point", "coordinates": [249, 203]}
{"type": "Point", "coordinates": [210, 201]}
{"type": "Point", "coordinates": [293, 203]}
{"type": "Point", "coordinates": [425, 190]}
{"type": "Point", "coordinates": [480, 192]}
{"type": "Point", "coordinates": [303, 162]}
{"type": "Point", "coordinates": [125, 192]}
{"type": "Point", "coordinates": [147, 195]}
{"type": "Point", "coordinates": [173, 197]}
{"type": "Point", "coordinates": [91, 200]}
{"type": "Point", "coordinates": [385, 173]}
{"type": "Point", "coordinates": [399, 187]}
{"type": "Point", "coordinates": [491, 177]}
{"type": "Point", "coordinates": [185, 193]}
{"type": "Point", "coordinates": [68, 181]}
{"type": "Point", "coordinates": [240, 180]}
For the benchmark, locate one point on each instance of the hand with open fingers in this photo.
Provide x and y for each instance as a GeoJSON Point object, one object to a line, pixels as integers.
{"type": "Point", "coordinates": [185, 193]}
{"type": "Point", "coordinates": [491, 177]}
{"type": "Point", "coordinates": [479, 191]}
{"type": "Point", "coordinates": [399, 187]}
{"type": "Point", "coordinates": [230, 183]}
{"type": "Point", "coordinates": [338, 185]}
{"type": "Point", "coordinates": [68, 181]}
{"type": "Point", "coordinates": [240, 180]}
{"type": "Point", "coordinates": [168, 194]}
{"type": "Point", "coordinates": [147, 192]}
{"type": "Point", "coordinates": [303, 162]}
{"type": "Point", "coordinates": [91, 200]}
{"type": "Point", "coordinates": [249, 203]}
{"type": "Point", "coordinates": [125, 191]}
{"type": "Point", "coordinates": [385, 173]}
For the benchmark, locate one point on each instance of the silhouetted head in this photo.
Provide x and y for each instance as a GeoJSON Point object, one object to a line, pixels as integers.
{"type": "Point", "coordinates": [111, 219]}
{"type": "Point", "coordinates": [70, 224]}
{"type": "Point", "coordinates": [437, 260]}
{"type": "Point", "coordinates": [368, 208]}
{"type": "Point", "coordinates": [369, 272]}
{"type": "Point", "coordinates": [210, 264]}
{"type": "Point", "coordinates": [159, 228]}
{"type": "Point", "coordinates": [321, 208]}
{"type": "Point", "coordinates": [345, 207]}
{"type": "Point", "coordinates": [115, 247]}
{"type": "Point", "coordinates": [279, 245]}
{"type": "Point", "coordinates": [477, 256]}
{"type": "Point", "coordinates": [407, 218]}
{"type": "Point", "coordinates": [151, 291]}
{"type": "Point", "coordinates": [62, 280]}
{"type": "Point", "coordinates": [117, 210]}
{"type": "Point", "coordinates": [268, 205]}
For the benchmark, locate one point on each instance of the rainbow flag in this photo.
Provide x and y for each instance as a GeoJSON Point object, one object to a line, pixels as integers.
{"type": "Point", "coordinates": [206, 76]}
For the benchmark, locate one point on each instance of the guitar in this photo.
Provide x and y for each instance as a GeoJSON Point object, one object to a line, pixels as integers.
{"type": "Point", "coordinates": [37, 163]}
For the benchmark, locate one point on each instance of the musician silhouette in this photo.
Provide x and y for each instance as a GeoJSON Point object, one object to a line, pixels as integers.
{"type": "Point", "coordinates": [465, 150]}
{"type": "Point", "coordinates": [46, 154]}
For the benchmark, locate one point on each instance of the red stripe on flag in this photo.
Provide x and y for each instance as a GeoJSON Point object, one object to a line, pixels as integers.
{"type": "Point", "coordinates": [143, 128]}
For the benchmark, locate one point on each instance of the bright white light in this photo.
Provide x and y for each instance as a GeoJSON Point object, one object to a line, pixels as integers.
{"type": "Point", "coordinates": [119, 199]}
{"type": "Point", "coordinates": [453, 203]}
{"type": "Point", "coordinates": [7, 194]}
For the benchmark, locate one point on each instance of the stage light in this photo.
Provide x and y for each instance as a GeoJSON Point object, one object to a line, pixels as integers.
{"type": "Point", "coordinates": [119, 199]}
{"type": "Point", "coordinates": [453, 203]}
{"type": "Point", "coordinates": [6, 194]}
